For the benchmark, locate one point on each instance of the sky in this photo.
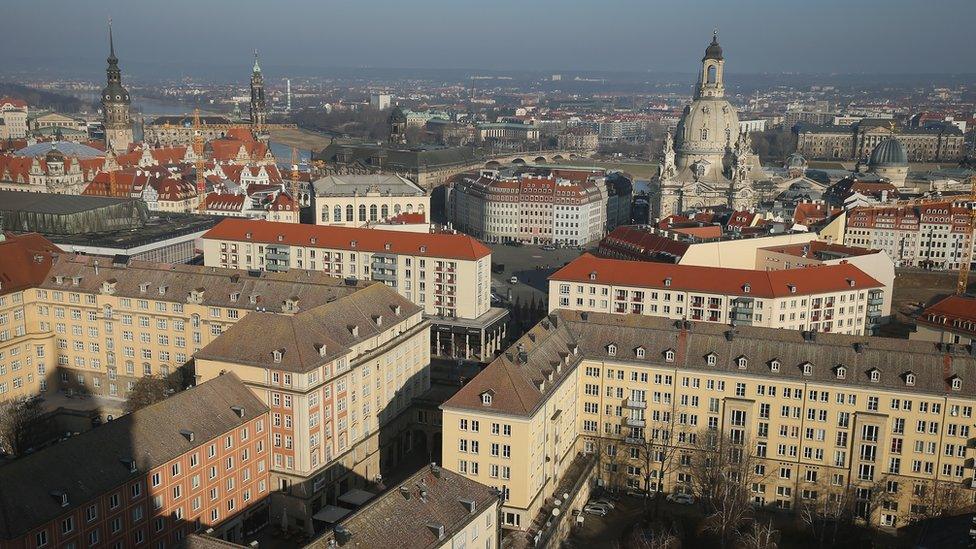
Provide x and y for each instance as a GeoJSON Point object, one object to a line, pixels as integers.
{"type": "Point", "coordinates": [174, 37]}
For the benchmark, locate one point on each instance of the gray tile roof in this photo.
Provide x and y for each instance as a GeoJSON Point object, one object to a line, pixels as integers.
{"type": "Point", "coordinates": [270, 290]}
{"type": "Point", "coordinates": [92, 464]}
{"type": "Point", "coordinates": [515, 378]}
{"type": "Point", "coordinates": [347, 185]}
{"type": "Point", "coordinates": [300, 337]}
{"type": "Point", "coordinates": [395, 520]}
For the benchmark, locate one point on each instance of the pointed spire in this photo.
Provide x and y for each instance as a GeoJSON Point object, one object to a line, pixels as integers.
{"type": "Point", "coordinates": [111, 42]}
{"type": "Point", "coordinates": [257, 68]}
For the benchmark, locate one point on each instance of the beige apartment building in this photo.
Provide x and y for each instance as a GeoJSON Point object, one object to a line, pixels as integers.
{"type": "Point", "coordinates": [829, 298]}
{"type": "Point", "coordinates": [884, 421]}
{"type": "Point", "coordinates": [448, 275]}
{"type": "Point", "coordinates": [952, 320]}
{"type": "Point", "coordinates": [89, 326]}
{"type": "Point", "coordinates": [338, 379]}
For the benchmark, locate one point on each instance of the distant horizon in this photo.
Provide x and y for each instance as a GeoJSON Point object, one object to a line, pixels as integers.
{"type": "Point", "coordinates": [827, 37]}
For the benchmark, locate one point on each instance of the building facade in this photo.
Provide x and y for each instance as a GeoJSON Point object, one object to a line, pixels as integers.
{"type": "Point", "coordinates": [838, 298]}
{"type": "Point", "coordinates": [13, 118]}
{"type": "Point", "coordinates": [933, 235]}
{"type": "Point", "coordinates": [446, 274]}
{"type": "Point", "coordinates": [563, 207]}
{"type": "Point", "coordinates": [365, 200]}
{"type": "Point", "coordinates": [884, 422]}
{"type": "Point", "coordinates": [940, 143]}
{"type": "Point", "coordinates": [338, 379]}
{"type": "Point", "coordinates": [197, 460]}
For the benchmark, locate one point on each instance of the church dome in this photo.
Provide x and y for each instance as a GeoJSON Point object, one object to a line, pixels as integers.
{"type": "Point", "coordinates": [707, 128]}
{"type": "Point", "coordinates": [713, 51]}
{"type": "Point", "coordinates": [888, 153]}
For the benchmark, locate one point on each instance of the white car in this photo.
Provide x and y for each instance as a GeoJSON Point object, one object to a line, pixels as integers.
{"type": "Point", "coordinates": [596, 510]}
{"type": "Point", "coordinates": [680, 499]}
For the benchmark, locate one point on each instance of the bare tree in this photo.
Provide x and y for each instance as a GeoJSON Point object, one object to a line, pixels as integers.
{"type": "Point", "coordinates": [150, 390]}
{"type": "Point", "coordinates": [18, 419]}
{"type": "Point", "coordinates": [659, 450]}
{"type": "Point", "coordinates": [762, 536]}
{"type": "Point", "coordinates": [832, 513]}
{"type": "Point", "coordinates": [652, 538]}
{"type": "Point", "coordinates": [940, 498]}
{"type": "Point", "coordinates": [722, 472]}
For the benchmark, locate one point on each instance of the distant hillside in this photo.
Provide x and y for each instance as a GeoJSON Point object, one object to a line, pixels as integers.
{"type": "Point", "coordinates": [41, 99]}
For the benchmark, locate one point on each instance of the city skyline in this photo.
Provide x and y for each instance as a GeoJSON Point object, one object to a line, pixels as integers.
{"type": "Point", "coordinates": [656, 37]}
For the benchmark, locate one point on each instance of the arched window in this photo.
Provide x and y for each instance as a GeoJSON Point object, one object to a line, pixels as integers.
{"type": "Point", "coordinates": [640, 352]}
{"type": "Point", "coordinates": [385, 211]}
{"type": "Point", "coordinates": [409, 208]}
{"type": "Point", "coordinates": [325, 214]}
{"type": "Point", "coordinates": [372, 212]}
{"type": "Point", "coordinates": [349, 213]}
{"type": "Point", "coordinates": [669, 356]}
{"type": "Point", "coordinates": [396, 209]}
{"type": "Point", "coordinates": [712, 73]}
{"type": "Point", "coordinates": [875, 376]}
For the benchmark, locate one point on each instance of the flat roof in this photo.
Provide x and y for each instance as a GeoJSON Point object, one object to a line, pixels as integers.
{"type": "Point", "coordinates": [49, 203]}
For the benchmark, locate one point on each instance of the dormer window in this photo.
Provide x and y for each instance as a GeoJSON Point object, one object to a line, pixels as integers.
{"type": "Point", "coordinates": [774, 365]}
{"type": "Point", "coordinates": [669, 356]}
{"type": "Point", "coordinates": [956, 383]}
{"type": "Point", "coordinates": [323, 350]}
{"type": "Point", "coordinates": [486, 398]}
{"type": "Point", "coordinates": [840, 372]}
{"type": "Point", "coordinates": [875, 376]}
{"type": "Point", "coordinates": [575, 350]}
{"type": "Point", "coordinates": [162, 290]}
{"type": "Point", "coordinates": [746, 288]}
{"type": "Point", "coordinates": [276, 356]}
{"type": "Point", "coordinates": [807, 369]}
{"type": "Point", "coordinates": [593, 275]}
{"type": "Point", "coordinates": [792, 288]}
{"type": "Point", "coordinates": [711, 359]}
{"type": "Point", "coordinates": [612, 350]}
{"type": "Point", "coordinates": [910, 379]}
{"type": "Point", "coordinates": [352, 244]}
{"type": "Point", "coordinates": [640, 352]}
{"type": "Point", "coordinates": [143, 287]}
{"type": "Point", "coordinates": [423, 249]}
{"type": "Point", "coordinates": [742, 362]}
{"type": "Point", "coordinates": [312, 240]}
{"type": "Point", "coordinates": [667, 282]}
{"type": "Point", "coordinates": [247, 236]}
{"type": "Point", "coordinates": [281, 238]}
{"type": "Point", "coordinates": [387, 246]}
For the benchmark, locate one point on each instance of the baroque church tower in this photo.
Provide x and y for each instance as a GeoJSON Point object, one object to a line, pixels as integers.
{"type": "Point", "coordinates": [115, 104]}
{"type": "Point", "coordinates": [259, 112]}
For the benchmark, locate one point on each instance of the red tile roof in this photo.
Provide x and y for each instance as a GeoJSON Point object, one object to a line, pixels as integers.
{"type": "Point", "coordinates": [13, 101]}
{"type": "Point", "coordinates": [451, 246]}
{"type": "Point", "coordinates": [634, 242]}
{"type": "Point", "coordinates": [956, 313]}
{"type": "Point", "coordinates": [716, 280]}
{"type": "Point", "coordinates": [26, 261]}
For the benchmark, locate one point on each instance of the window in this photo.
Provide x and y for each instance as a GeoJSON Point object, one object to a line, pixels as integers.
{"type": "Point", "coordinates": [612, 350]}
{"type": "Point", "coordinates": [486, 398]}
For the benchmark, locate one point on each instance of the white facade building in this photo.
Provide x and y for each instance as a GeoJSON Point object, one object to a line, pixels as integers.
{"type": "Point", "coordinates": [564, 207]}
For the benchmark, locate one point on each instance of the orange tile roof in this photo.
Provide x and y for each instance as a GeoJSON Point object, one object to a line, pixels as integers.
{"type": "Point", "coordinates": [26, 261]}
{"type": "Point", "coordinates": [716, 280]}
{"type": "Point", "coordinates": [451, 246]}
{"type": "Point", "coordinates": [955, 313]}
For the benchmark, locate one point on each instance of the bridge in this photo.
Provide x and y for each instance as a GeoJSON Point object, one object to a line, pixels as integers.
{"type": "Point", "coordinates": [533, 157]}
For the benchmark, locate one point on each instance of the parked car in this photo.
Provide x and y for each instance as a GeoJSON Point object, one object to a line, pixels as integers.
{"type": "Point", "coordinates": [638, 494]}
{"type": "Point", "coordinates": [595, 510]}
{"type": "Point", "coordinates": [680, 499]}
{"type": "Point", "coordinates": [549, 247]}
{"type": "Point", "coordinates": [604, 502]}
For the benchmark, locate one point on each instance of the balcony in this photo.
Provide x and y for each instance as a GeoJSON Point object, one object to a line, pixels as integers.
{"type": "Point", "coordinates": [633, 440]}
{"type": "Point", "coordinates": [631, 422]}
{"type": "Point", "coordinates": [635, 404]}
{"type": "Point", "coordinates": [878, 300]}
{"type": "Point", "coordinates": [277, 254]}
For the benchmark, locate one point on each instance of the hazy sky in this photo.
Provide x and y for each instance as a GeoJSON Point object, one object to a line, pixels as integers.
{"type": "Point", "coordinates": [846, 36]}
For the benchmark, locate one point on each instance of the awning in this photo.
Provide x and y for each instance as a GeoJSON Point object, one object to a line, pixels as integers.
{"type": "Point", "coordinates": [331, 514]}
{"type": "Point", "coordinates": [356, 497]}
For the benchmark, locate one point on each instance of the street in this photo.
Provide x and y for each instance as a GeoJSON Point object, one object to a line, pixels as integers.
{"type": "Point", "coordinates": [531, 265]}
